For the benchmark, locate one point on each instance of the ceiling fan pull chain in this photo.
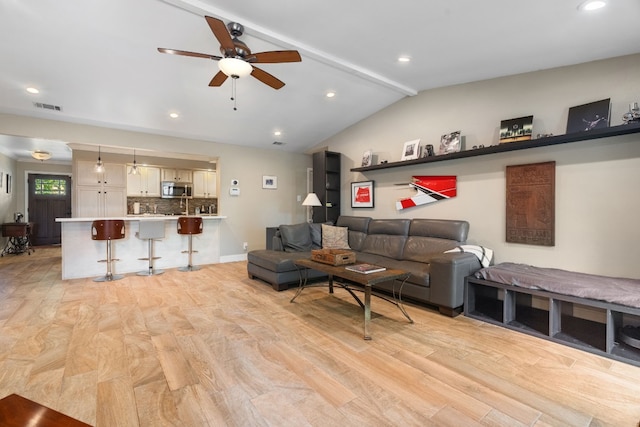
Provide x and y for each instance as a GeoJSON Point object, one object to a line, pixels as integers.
{"type": "Point", "coordinates": [233, 93]}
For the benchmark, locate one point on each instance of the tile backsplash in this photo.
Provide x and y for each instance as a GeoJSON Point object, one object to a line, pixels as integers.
{"type": "Point", "coordinates": [171, 206]}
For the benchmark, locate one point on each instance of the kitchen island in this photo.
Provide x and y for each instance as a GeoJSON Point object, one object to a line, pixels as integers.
{"type": "Point", "coordinates": [80, 253]}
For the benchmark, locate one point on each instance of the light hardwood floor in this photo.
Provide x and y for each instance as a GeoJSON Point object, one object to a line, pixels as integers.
{"type": "Point", "coordinates": [213, 348]}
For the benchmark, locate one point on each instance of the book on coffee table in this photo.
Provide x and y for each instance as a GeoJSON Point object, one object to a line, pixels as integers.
{"type": "Point", "coordinates": [365, 268]}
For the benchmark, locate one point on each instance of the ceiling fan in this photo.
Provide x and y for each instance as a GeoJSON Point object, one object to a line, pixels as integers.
{"type": "Point", "coordinates": [237, 60]}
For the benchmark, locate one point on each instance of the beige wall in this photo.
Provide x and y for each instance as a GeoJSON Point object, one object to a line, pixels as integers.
{"type": "Point", "coordinates": [7, 201]}
{"type": "Point", "coordinates": [247, 215]}
{"type": "Point", "coordinates": [596, 182]}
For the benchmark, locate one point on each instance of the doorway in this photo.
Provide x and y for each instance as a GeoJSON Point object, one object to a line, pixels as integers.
{"type": "Point", "coordinates": [49, 198]}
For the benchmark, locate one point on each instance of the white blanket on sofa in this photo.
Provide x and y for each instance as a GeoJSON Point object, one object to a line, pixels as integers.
{"type": "Point", "coordinates": [484, 255]}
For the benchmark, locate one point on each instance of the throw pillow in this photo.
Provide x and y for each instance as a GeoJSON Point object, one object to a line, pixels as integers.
{"type": "Point", "coordinates": [335, 237]}
{"type": "Point", "coordinates": [296, 237]}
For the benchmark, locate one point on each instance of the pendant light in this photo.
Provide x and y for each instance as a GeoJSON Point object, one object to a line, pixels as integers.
{"type": "Point", "coordinates": [99, 167]}
{"type": "Point", "coordinates": [134, 168]}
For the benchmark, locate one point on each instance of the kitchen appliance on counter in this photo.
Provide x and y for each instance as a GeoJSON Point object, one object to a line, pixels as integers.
{"type": "Point", "coordinates": [177, 190]}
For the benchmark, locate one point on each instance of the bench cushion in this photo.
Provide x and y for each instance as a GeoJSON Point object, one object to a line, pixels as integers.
{"type": "Point", "coordinates": [616, 290]}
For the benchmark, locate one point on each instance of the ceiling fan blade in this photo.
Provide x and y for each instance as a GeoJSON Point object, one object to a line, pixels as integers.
{"type": "Point", "coordinates": [218, 79]}
{"type": "Point", "coordinates": [267, 78]}
{"type": "Point", "coordinates": [276, 56]}
{"type": "Point", "coordinates": [187, 53]}
{"type": "Point", "coordinates": [222, 34]}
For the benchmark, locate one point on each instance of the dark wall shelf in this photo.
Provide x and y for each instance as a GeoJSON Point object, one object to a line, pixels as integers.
{"type": "Point", "coordinates": [512, 146]}
{"type": "Point", "coordinates": [326, 185]}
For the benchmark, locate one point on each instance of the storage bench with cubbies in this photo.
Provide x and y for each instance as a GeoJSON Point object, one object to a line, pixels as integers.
{"type": "Point", "coordinates": [593, 313]}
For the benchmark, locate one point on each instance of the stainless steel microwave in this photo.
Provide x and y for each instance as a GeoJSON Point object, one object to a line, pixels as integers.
{"type": "Point", "coordinates": [176, 190]}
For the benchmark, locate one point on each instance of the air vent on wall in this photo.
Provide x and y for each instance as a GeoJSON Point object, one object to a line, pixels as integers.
{"type": "Point", "coordinates": [47, 106]}
{"type": "Point", "coordinates": [278, 143]}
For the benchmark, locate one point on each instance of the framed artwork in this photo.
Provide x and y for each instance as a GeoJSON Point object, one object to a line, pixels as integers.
{"type": "Point", "coordinates": [410, 150]}
{"type": "Point", "coordinates": [367, 158]}
{"type": "Point", "coordinates": [530, 210]}
{"type": "Point", "coordinates": [449, 143]}
{"type": "Point", "coordinates": [362, 194]}
{"type": "Point", "coordinates": [514, 130]}
{"type": "Point", "coordinates": [594, 115]}
{"type": "Point", "coordinates": [8, 183]}
{"type": "Point", "coordinates": [269, 182]}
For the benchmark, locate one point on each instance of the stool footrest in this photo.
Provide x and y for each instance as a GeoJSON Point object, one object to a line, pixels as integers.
{"type": "Point", "coordinates": [106, 260]}
{"type": "Point", "coordinates": [186, 252]}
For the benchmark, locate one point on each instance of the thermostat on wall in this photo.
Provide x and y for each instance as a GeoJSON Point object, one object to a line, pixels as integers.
{"type": "Point", "coordinates": [234, 191]}
{"type": "Point", "coordinates": [235, 182]}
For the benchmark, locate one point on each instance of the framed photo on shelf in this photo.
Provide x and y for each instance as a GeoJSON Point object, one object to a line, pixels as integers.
{"type": "Point", "coordinates": [367, 158]}
{"type": "Point", "coordinates": [362, 194]}
{"type": "Point", "coordinates": [410, 150]}
{"type": "Point", "coordinates": [450, 143]}
{"type": "Point", "coordinates": [269, 182]}
{"type": "Point", "coordinates": [594, 115]}
{"type": "Point", "coordinates": [513, 130]}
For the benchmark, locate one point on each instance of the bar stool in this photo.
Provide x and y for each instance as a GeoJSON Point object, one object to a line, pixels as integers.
{"type": "Point", "coordinates": [108, 229]}
{"type": "Point", "coordinates": [150, 231]}
{"type": "Point", "coordinates": [189, 225]}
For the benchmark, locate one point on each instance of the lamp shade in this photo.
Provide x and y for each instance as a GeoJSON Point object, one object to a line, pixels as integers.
{"type": "Point", "coordinates": [234, 67]}
{"type": "Point", "coordinates": [311, 200]}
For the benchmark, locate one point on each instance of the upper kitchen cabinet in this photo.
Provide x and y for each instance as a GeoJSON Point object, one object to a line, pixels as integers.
{"type": "Point", "coordinates": [205, 184]}
{"type": "Point", "coordinates": [114, 174]}
{"type": "Point", "coordinates": [146, 183]}
{"type": "Point", "coordinates": [177, 175]}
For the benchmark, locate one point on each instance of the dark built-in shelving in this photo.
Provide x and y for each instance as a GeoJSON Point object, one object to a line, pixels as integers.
{"type": "Point", "coordinates": [512, 146]}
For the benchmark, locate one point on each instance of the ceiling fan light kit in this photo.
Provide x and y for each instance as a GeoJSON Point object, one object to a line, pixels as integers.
{"type": "Point", "coordinates": [234, 67]}
{"type": "Point", "coordinates": [238, 60]}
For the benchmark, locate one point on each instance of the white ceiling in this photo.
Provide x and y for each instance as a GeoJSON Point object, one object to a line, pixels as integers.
{"type": "Point", "coordinates": [98, 60]}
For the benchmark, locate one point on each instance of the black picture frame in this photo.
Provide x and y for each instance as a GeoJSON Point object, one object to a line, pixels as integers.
{"type": "Point", "coordinates": [586, 117]}
{"type": "Point", "coordinates": [362, 194]}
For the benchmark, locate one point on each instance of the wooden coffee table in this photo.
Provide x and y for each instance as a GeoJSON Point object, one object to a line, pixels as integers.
{"type": "Point", "coordinates": [367, 281]}
{"type": "Point", "coordinates": [17, 411]}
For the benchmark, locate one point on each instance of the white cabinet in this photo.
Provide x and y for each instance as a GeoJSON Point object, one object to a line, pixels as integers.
{"type": "Point", "coordinates": [177, 175]}
{"type": "Point", "coordinates": [146, 183]}
{"type": "Point", "coordinates": [113, 175]}
{"type": "Point", "coordinates": [98, 201]}
{"type": "Point", "coordinates": [100, 194]}
{"type": "Point", "coordinates": [204, 184]}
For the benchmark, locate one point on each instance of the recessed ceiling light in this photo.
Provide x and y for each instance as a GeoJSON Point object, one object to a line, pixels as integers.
{"type": "Point", "coordinates": [404, 59]}
{"type": "Point", "coordinates": [277, 133]}
{"type": "Point", "coordinates": [592, 5]}
{"type": "Point", "coordinates": [32, 90]}
{"type": "Point", "coordinates": [174, 115]}
{"type": "Point", "coordinates": [330, 94]}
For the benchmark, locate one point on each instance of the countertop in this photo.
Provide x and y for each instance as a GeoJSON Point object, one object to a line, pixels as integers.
{"type": "Point", "coordinates": [143, 217]}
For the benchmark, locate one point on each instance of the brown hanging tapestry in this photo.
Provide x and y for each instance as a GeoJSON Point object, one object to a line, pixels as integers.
{"type": "Point", "coordinates": [531, 204]}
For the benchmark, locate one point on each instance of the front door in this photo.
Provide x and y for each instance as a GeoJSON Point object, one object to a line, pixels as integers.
{"type": "Point", "coordinates": [49, 198]}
